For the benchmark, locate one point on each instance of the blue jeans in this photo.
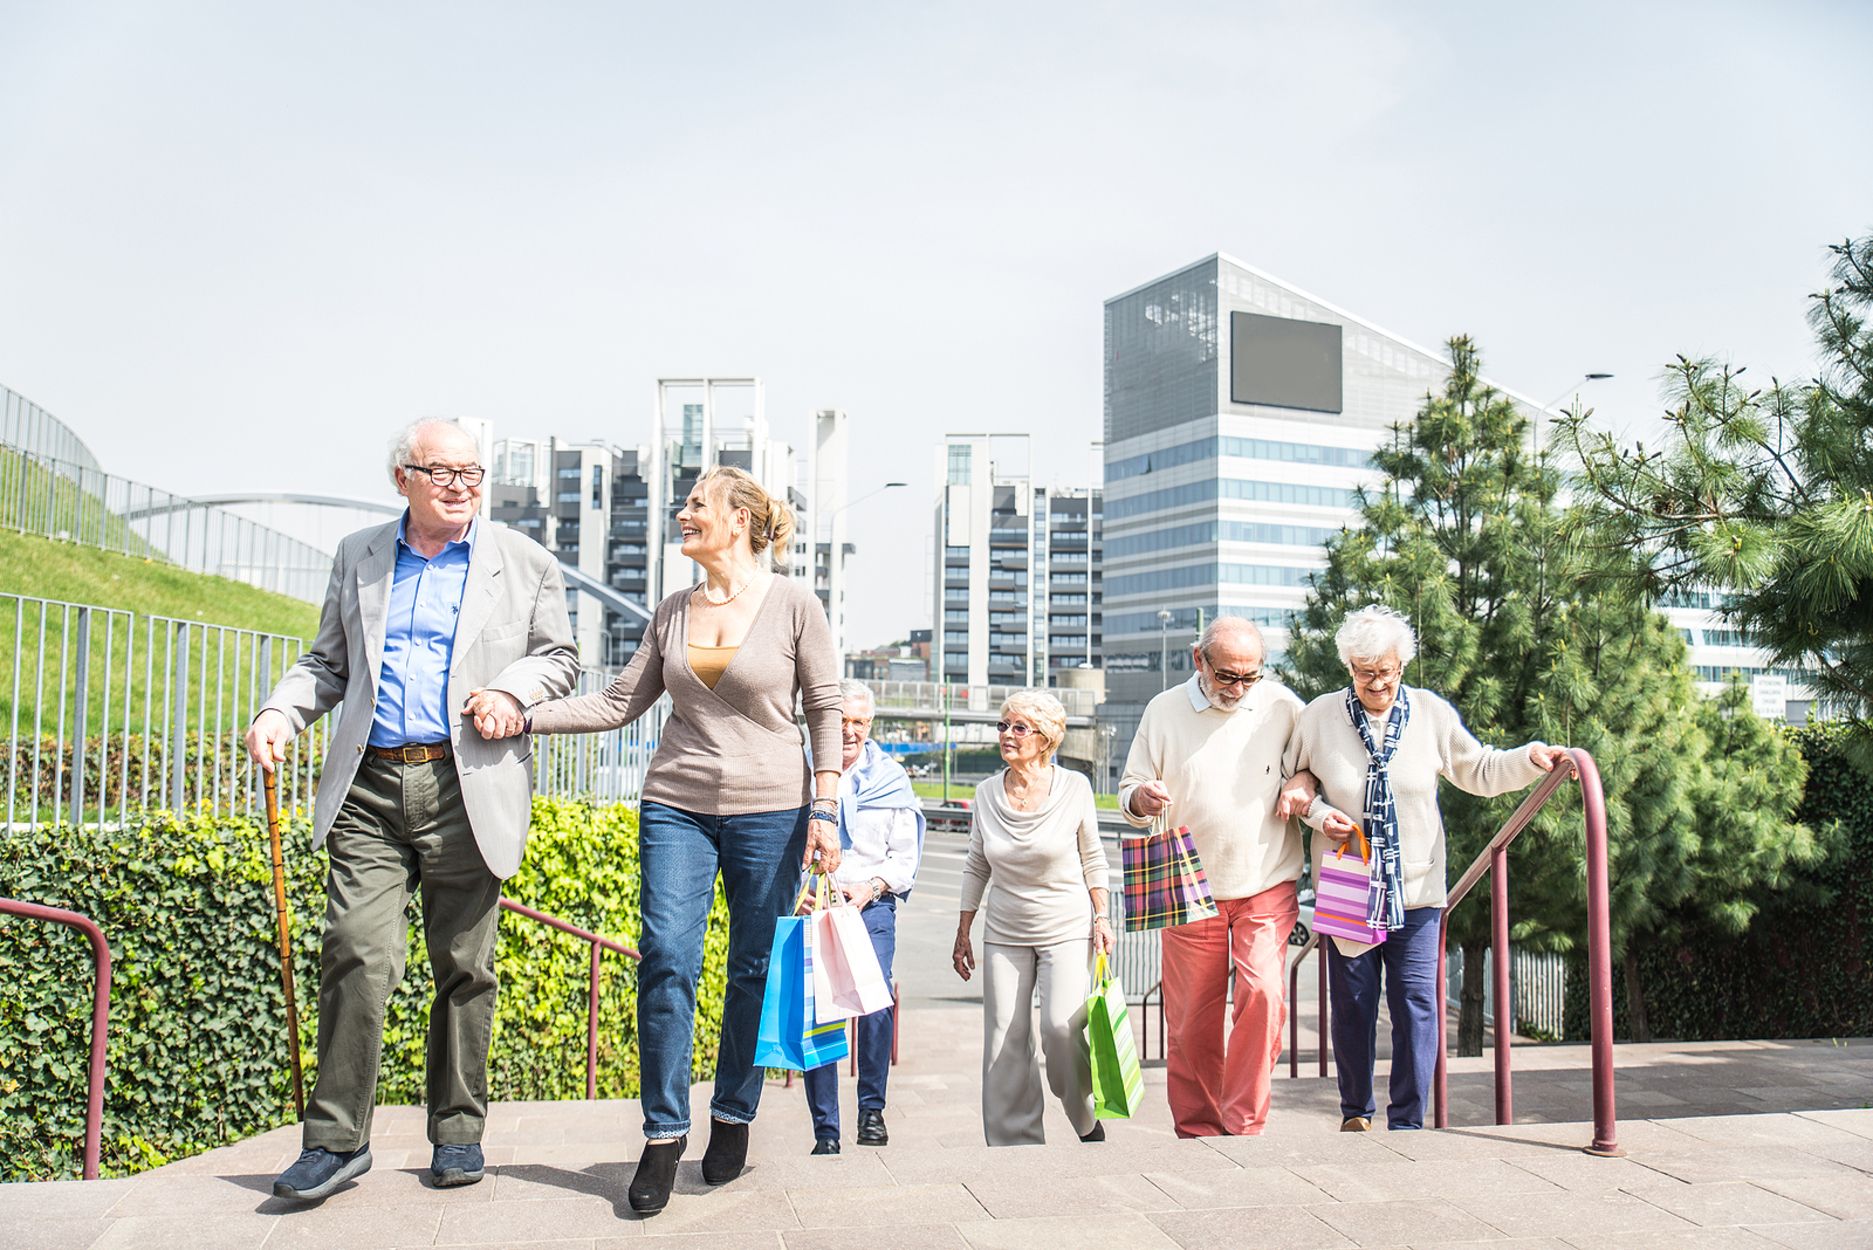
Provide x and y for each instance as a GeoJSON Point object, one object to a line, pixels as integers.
{"type": "Point", "coordinates": [1408, 960]}
{"type": "Point", "coordinates": [679, 854]}
{"type": "Point", "coordinates": [874, 1038]}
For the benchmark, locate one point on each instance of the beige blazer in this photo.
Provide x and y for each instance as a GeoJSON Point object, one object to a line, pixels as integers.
{"type": "Point", "coordinates": [513, 635]}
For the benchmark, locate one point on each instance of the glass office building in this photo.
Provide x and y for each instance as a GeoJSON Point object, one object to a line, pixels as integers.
{"type": "Point", "coordinates": [1240, 416]}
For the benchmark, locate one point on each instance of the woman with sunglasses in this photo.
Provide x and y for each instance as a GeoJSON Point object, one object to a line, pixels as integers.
{"type": "Point", "coordinates": [1033, 830]}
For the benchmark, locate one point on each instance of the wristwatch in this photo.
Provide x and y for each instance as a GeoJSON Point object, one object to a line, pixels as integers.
{"type": "Point", "coordinates": [878, 888]}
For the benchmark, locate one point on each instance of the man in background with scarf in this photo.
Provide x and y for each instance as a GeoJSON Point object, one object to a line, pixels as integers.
{"type": "Point", "coordinates": [881, 828]}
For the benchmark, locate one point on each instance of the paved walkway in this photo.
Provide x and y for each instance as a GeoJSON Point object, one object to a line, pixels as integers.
{"type": "Point", "coordinates": [1689, 1182]}
{"type": "Point", "coordinates": [1730, 1146]}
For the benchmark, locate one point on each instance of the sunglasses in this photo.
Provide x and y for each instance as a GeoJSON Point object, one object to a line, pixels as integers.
{"type": "Point", "coordinates": [1221, 678]}
{"type": "Point", "coordinates": [1015, 727]}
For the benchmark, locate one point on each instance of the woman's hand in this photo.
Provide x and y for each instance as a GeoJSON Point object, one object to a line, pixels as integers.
{"type": "Point", "coordinates": [1545, 757]}
{"type": "Point", "coordinates": [963, 958]}
{"type": "Point", "coordinates": [822, 846]}
{"type": "Point", "coordinates": [1338, 827]}
{"type": "Point", "coordinates": [1103, 943]}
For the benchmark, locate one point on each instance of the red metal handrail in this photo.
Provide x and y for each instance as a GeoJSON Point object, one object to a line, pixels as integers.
{"type": "Point", "coordinates": [598, 944]}
{"type": "Point", "coordinates": [100, 1014]}
{"type": "Point", "coordinates": [1494, 861]}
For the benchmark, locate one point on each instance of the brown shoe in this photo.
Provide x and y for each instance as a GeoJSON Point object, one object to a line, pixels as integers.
{"type": "Point", "coordinates": [1355, 1124]}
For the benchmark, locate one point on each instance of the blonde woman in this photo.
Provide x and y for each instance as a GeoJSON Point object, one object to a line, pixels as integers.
{"type": "Point", "coordinates": [728, 790]}
{"type": "Point", "coordinates": [1034, 832]}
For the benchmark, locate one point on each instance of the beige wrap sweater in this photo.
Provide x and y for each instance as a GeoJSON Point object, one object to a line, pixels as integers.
{"type": "Point", "coordinates": [734, 749]}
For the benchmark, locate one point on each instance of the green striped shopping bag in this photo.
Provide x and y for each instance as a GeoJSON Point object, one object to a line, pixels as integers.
{"type": "Point", "coordinates": [1118, 1081]}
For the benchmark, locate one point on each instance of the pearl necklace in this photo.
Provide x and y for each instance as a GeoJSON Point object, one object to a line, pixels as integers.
{"type": "Point", "coordinates": [702, 588]}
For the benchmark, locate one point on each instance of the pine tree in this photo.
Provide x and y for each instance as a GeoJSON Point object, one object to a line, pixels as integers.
{"type": "Point", "coordinates": [1766, 495]}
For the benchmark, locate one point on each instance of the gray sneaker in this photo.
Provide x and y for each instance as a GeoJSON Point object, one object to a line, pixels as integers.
{"type": "Point", "coordinates": [319, 1172]}
{"type": "Point", "coordinates": [450, 1166]}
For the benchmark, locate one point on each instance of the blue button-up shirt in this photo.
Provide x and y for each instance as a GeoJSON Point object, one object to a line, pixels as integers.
{"type": "Point", "coordinates": [419, 642]}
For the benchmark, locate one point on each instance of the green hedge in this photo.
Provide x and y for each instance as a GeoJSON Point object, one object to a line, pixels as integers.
{"type": "Point", "coordinates": [197, 1040]}
{"type": "Point", "coordinates": [1804, 968]}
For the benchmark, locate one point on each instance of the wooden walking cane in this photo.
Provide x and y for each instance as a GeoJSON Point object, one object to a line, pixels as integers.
{"type": "Point", "coordinates": [286, 944]}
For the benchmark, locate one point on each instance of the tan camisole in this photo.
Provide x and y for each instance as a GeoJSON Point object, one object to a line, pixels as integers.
{"type": "Point", "coordinates": [708, 663]}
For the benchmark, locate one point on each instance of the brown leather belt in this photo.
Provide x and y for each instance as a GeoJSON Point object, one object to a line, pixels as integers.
{"type": "Point", "coordinates": [413, 753]}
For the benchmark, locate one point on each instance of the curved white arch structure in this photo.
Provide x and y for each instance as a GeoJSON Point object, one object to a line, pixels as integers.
{"type": "Point", "coordinates": [575, 577]}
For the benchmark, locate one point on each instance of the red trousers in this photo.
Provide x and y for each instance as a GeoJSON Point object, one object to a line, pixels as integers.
{"type": "Point", "coordinates": [1217, 1089]}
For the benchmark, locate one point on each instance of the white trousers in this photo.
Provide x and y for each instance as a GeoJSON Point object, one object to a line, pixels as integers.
{"type": "Point", "coordinates": [1012, 1099]}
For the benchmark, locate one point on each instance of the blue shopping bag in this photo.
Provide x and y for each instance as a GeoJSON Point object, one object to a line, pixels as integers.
{"type": "Point", "coordinates": [789, 1037]}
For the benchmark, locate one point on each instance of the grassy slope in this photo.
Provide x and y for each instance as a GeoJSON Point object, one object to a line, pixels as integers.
{"type": "Point", "coordinates": [934, 790]}
{"type": "Point", "coordinates": [47, 569]}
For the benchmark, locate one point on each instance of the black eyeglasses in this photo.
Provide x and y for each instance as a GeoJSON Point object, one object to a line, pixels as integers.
{"type": "Point", "coordinates": [1221, 678]}
{"type": "Point", "coordinates": [1015, 727]}
{"type": "Point", "coordinates": [443, 477]}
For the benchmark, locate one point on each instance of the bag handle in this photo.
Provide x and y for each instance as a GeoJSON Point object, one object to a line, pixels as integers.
{"type": "Point", "coordinates": [1099, 970]}
{"type": "Point", "coordinates": [812, 895]}
{"type": "Point", "coordinates": [1365, 847]}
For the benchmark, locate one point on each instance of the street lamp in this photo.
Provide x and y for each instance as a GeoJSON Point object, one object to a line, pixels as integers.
{"type": "Point", "coordinates": [1164, 644]}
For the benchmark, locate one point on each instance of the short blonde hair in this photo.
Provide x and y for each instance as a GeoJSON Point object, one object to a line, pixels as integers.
{"type": "Point", "coordinates": [770, 520]}
{"type": "Point", "coordinates": [1042, 711]}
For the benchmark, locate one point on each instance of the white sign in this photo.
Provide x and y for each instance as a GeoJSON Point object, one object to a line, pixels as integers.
{"type": "Point", "coordinates": [1769, 695]}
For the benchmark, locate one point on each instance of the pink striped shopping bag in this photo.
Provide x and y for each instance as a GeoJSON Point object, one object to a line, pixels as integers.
{"type": "Point", "coordinates": [1343, 895]}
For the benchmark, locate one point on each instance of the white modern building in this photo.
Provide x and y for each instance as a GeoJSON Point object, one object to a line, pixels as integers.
{"type": "Point", "coordinates": [1017, 590]}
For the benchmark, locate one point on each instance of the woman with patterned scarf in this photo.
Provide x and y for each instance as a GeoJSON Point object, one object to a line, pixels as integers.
{"type": "Point", "coordinates": [1378, 748]}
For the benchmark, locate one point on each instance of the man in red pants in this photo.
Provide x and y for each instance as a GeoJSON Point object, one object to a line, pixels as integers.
{"type": "Point", "coordinates": [1208, 756]}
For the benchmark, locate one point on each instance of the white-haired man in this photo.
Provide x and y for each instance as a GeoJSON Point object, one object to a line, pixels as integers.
{"type": "Point", "coordinates": [1208, 755]}
{"type": "Point", "coordinates": [429, 621]}
{"type": "Point", "coordinates": [881, 827]}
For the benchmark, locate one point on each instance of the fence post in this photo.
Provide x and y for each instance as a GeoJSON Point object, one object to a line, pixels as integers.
{"type": "Point", "coordinates": [81, 717]}
{"type": "Point", "coordinates": [179, 724]}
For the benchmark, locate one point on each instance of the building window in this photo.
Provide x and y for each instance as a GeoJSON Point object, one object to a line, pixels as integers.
{"type": "Point", "coordinates": [959, 467]}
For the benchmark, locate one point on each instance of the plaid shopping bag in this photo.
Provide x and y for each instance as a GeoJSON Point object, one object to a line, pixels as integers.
{"type": "Point", "coordinates": [1165, 883]}
{"type": "Point", "coordinates": [1343, 895]}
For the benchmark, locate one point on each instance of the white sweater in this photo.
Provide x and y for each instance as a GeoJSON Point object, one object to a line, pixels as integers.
{"type": "Point", "coordinates": [1224, 772]}
{"type": "Point", "coordinates": [1044, 863]}
{"type": "Point", "coordinates": [1435, 744]}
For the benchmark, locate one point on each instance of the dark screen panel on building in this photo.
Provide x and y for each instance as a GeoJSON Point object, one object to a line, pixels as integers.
{"type": "Point", "coordinates": [1284, 363]}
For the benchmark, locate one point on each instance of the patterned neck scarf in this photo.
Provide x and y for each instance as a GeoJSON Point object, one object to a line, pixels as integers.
{"type": "Point", "coordinates": [1387, 908]}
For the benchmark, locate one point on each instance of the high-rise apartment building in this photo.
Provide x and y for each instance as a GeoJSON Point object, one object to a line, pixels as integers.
{"type": "Point", "coordinates": [1017, 586]}
{"type": "Point", "coordinates": [610, 510]}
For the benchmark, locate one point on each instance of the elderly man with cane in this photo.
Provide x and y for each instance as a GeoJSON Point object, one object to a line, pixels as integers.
{"type": "Point", "coordinates": [1207, 755]}
{"type": "Point", "coordinates": [429, 622]}
{"type": "Point", "coordinates": [881, 828]}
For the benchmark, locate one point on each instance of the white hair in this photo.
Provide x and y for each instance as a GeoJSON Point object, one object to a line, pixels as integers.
{"type": "Point", "coordinates": [1041, 710]}
{"type": "Point", "coordinates": [852, 688]}
{"type": "Point", "coordinates": [1231, 625]}
{"type": "Point", "coordinates": [403, 447]}
{"type": "Point", "coordinates": [1373, 633]}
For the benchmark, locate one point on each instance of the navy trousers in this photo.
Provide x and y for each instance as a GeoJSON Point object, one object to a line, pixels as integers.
{"type": "Point", "coordinates": [874, 1038]}
{"type": "Point", "coordinates": [1408, 961]}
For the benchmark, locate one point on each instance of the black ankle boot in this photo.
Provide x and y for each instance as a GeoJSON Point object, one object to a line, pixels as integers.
{"type": "Point", "coordinates": [656, 1174]}
{"type": "Point", "coordinates": [727, 1154]}
{"type": "Point", "coordinates": [1098, 1133]}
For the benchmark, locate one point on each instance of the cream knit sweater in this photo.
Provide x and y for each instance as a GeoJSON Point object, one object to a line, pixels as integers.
{"type": "Point", "coordinates": [1044, 864]}
{"type": "Point", "coordinates": [1435, 745]}
{"type": "Point", "coordinates": [1224, 772]}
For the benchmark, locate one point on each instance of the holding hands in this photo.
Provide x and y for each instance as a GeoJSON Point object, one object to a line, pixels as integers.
{"type": "Point", "coordinates": [496, 713]}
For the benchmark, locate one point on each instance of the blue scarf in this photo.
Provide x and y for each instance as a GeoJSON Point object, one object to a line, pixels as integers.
{"type": "Point", "coordinates": [878, 785]}
{"type": "Point", "coordinates": [1387, 907]}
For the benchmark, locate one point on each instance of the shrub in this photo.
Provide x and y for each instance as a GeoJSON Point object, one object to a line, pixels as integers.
{"type": "Point", "coordinates": [197, 1054]}
{"type": "Point", "coordinates": [1802, 967]}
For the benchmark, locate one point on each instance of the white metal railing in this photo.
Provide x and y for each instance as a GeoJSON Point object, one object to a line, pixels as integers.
{"type": "Point", "coordinates": [963, 697]}
{"type": "Point", "coordinates": [26, 425]}
{"type": "Point", "coordinates": [1538, 987]}
{"type": "Point", "coordinates": [108, 711]}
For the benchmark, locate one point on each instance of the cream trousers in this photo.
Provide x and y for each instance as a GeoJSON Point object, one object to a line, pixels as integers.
{"type": "Point", "coordinates": [1012, 1099]}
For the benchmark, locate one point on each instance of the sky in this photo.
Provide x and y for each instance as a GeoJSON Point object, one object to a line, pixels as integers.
{"type": "Point", "coordinates": [242, 243]}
